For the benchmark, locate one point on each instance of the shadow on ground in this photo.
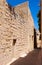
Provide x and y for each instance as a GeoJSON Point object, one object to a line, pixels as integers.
{"type": "Point", "coordinates": [33, 58]}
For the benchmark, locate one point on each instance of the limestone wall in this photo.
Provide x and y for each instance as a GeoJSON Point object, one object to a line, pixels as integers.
{"type": "Point", "coordinates": [21, 29]}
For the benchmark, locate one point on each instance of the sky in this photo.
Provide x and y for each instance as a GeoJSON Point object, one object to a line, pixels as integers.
{"type": "Point", "coordinates": [34, 7]}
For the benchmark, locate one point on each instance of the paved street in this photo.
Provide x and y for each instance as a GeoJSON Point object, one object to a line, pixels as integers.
{"type": "Point", "coordinates": [33, 58]}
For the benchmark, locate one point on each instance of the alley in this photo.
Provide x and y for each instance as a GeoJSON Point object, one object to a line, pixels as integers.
{"type": "Point", "coordinates": [33, 58]}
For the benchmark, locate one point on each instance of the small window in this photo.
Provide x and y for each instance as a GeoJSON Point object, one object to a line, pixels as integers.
{"type": "Point", "coordinates": [14, 41]}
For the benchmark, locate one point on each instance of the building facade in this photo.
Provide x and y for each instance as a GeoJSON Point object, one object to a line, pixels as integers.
{"type": "Point", "coordinates": [16, 32]}
{"type": "Point", "coordinates": [38, 39]}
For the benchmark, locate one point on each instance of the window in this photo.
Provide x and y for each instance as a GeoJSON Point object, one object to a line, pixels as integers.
{"type": "Point", "coordinates": [14, 41]}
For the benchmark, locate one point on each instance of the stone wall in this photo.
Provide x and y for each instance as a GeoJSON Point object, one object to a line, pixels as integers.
{"type": "Point", "coordinates": [20, 28]}
{"type": "Point", "coordinates": [38, 39]}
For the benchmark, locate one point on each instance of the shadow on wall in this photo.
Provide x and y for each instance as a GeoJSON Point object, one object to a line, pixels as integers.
{"type": "Point", "coordinates": [35, 39]}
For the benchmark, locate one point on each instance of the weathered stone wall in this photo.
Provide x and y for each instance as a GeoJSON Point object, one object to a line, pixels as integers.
{"type": "Point", "coordinates": [38, 39]}
{"type": "Point", "coordinates": [21, 29]}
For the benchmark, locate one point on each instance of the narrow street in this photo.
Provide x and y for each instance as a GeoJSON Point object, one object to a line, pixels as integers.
{"type": "Point", "coordinates": [33, 58]}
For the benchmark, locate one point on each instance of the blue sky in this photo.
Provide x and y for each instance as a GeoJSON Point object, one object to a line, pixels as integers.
{"type": "Point", "coordinates": [34, 10]}
{"type": "Point", "coordinates": [33, 4]}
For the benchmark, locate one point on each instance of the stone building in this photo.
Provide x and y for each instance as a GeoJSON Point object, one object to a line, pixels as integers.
{"type": "Point", "coordinates": [38, 39]}
{"type": "Point", "coordinates": [16, 32]}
